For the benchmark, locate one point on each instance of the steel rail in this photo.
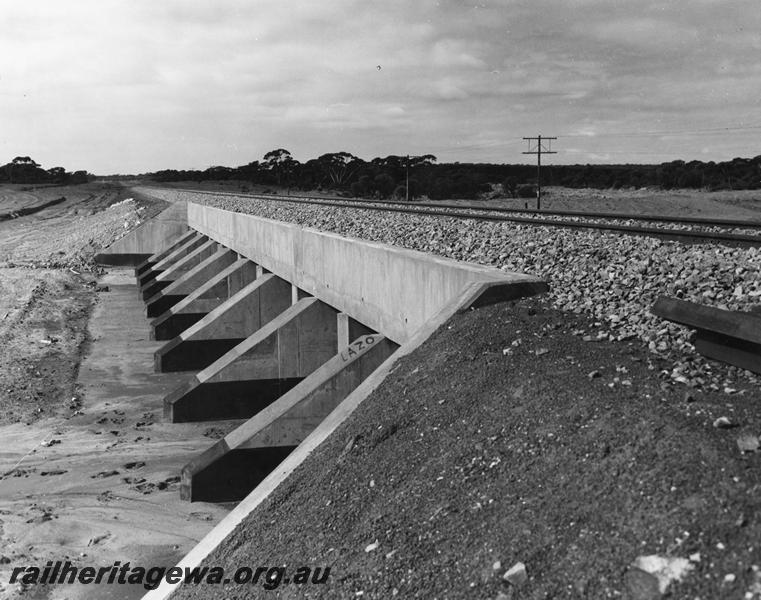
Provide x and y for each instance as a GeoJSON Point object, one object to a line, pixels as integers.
{"type": "Point", "coordinates": [736, 223]}
{"type": "Point", "coordinates": [683, 235]}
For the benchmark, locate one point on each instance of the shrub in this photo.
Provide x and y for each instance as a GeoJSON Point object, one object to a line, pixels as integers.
{"type": "Point", "coordinates": [510, 186]}
{"type": "Point", "coordinates": [526, 191]}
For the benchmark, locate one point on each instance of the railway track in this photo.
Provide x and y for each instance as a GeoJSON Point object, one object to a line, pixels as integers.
{"type": "Point", "coordinates": [689, 230]}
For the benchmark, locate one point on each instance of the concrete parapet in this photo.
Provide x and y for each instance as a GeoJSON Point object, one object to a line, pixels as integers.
{"type": "Point", "coordinates": [201, 301]}
{"type": "Point", "coordinates": [224, 472]}
{"type": "Point", "coordinates": [392, 290]}
{"type": "Point", "coordinates": [261, 368]}
{"type": "Point", "coordinates": [226, 326]}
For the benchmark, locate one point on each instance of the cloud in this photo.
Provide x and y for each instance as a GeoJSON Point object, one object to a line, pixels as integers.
{"type": "Point", "coordinates": [136, 86]}
{"type": "Point", "coordinates": [652, 34]}
{"type": "Point", "coordinates": [450, 53]}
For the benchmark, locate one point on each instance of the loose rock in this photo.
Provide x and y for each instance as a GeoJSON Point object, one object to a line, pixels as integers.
{"type": "Point", "coordinates": [723, 423]}
{"type": "Point", "coordinates": [747, 442]}
{"type": "Point", "coordinates": [516, 575]}
{"type": "Point", "coordinates": [664, 568]}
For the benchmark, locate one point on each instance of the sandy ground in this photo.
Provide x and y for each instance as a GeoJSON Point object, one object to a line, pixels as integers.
{"type": "Point", "coordinates": [43, 321]}
{"type": "Point", "coordinates": [15, 197]}
{"type": "Point", "coordinates": [68, 234]}
{"type": "Point", "coordinates": [727, 204]}
{"type": "Point", "coordinates": [87, 471]}
{"type": "Point", "coordinates": [101, 485]}
{"type": "Point", "coordinates": [47, 288]}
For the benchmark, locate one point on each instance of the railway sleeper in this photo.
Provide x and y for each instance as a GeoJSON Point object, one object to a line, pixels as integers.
{"type": "Point", "coordinates": [729, 336]}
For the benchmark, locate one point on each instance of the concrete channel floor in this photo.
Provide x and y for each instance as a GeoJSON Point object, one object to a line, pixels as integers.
{"type": "Point", "coordinates": [101, 486]}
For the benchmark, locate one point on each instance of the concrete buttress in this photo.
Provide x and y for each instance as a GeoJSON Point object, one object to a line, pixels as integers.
{"type": "Point", "coordinates": [226, 326]}
{"type": "Point", "coordinates": [205, 298]}
{"type": "Point", "coordinates": [261, 368]}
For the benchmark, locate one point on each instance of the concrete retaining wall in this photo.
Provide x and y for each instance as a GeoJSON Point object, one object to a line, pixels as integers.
{"type": "Point", "coordinates": [402, 294]}
{"type": "Point", "coordinates": [393, 290]}
{"type": "Point", "coordinates": [149, 238]}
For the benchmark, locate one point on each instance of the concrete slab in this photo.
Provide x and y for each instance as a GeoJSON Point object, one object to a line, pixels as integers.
{"type": "Point", "coordinates": [294, 416]}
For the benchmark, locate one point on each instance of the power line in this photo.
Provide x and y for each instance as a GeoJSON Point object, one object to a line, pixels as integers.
{"type": "Point", "coordinates": [662, 132]}
{"type": "Point", "coordinates": [602, 151]}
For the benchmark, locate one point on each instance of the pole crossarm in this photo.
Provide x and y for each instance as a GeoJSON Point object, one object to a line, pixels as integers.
{"type": "Point", "coordinates": [540, 148]}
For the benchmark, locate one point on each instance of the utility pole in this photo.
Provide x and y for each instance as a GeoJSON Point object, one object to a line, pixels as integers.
{"type": "Point", "coordinates": [407, 186]}
{"type": "Point", "coordinates": [539, 149]}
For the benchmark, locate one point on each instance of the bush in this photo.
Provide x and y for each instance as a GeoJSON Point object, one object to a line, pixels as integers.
{"type": "Point", "coordinates": [510, 186]}
{"type": "Point", "coordinates": [441, 188]}
{"type": "Point", "coordinates": [526, 191]}
{"type": "Point", "coordinates": [384, 184]}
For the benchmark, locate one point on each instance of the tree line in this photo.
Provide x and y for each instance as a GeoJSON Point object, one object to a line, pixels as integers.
{"type": "Point", "coordinates": [416, 176]}
{"type": "Point", "coordinates": [23, 169]}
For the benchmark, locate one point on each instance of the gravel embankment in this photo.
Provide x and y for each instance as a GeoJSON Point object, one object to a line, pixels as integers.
{"type": "Point", "coordinates": [613, 278]}
{"type": "Point", "coordinates": [467, 462]}
{"type": "Point", "coordinates": [66, 240]}
{"type": "Point", "coordinates": [485, 211]}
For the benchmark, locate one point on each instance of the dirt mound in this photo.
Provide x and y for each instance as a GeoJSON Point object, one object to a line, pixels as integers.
{"type": "Point", "coordinates": [506, 439]}
{"type": "Point", "coordinates": [43, 330]}
{"type": "Point", "coordinates": [68, 234]}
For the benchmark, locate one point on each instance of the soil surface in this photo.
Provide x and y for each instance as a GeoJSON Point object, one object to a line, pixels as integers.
{"type": "Point", "coordinates": [43, 332]}
{"type": "Point", "coordinates": [69, 234]}
{"type": "Point", "coordinates": [48, 287]}
{"type": "Point", "coordinates": [725, 204]}
{"type": "Point", "coordinates": [505, 439]}
{"type": "Point", "coordinates": [99, 484]}
{"type": "Point", "coordinates": [87, 473]}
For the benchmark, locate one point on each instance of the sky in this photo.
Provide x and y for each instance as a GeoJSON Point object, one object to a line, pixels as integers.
{"type": "Point", "coordinates": [133, 86]}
